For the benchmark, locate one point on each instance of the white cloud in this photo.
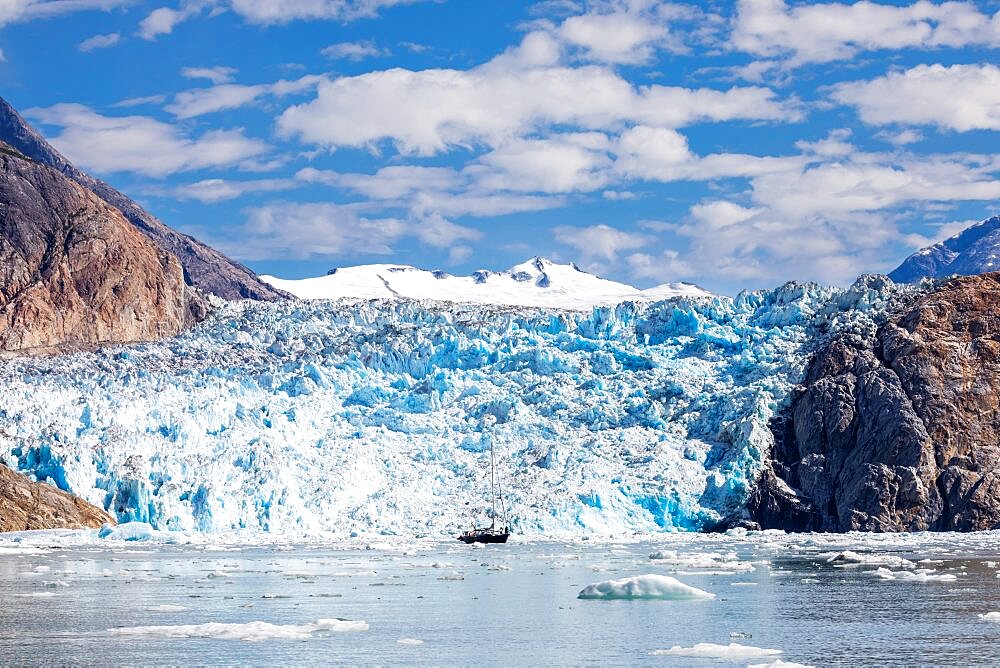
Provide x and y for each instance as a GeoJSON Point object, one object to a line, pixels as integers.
{"type": "Point", "coordinates": [200, 101]}
{"type": "Point", "coordinates": [662, 267]}
{"type": "Point", "coordinates": [824, 32]}
{"type": "Point", "coordinates": [99, 42]}
{"type": "Point", "coordinates": [519, 92]}
{"type": "Point", "coordinates": [294, 230]}
{"type": "Point", "coordinates": [217, 75]}
{"type": "Point", "coordinates": [959, 97]}
{"type": "Point", "coordinates": [558, 164]}
{"type": "Point", "coordinates": [599, 241]}
{"type": "Point", "coordinates": [12, 11]}
{"type": "Point", "coordinates": [219, 190]}
{"type": "Point", "coordinates": [286, 11]}
{"type": "Point", "coordinates": [355, 51]}
{"type": "Point", "coordinates": [141, 144]}
{"type": "Point", "coordinates": [163, 20]}
{"type": "Point", "coordinates": [616, 37]}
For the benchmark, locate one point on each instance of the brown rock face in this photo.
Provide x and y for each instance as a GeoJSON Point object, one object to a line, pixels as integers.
{"type": "Point", "coordinates": [26, 505]}
{"type": "Point", "coordinates": [204, 267]}
{"type": "Point", "coordinates": [901, 433]}
{"type": "Point", "coordinates": [74, 271]}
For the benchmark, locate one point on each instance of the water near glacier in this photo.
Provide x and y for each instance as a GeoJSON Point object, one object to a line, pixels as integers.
{"type": "Point", "coordinates": [339, 419]}
{"type": "Point", "coordinates": [70, 597]}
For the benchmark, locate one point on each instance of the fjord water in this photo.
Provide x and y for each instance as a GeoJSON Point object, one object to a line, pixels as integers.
{"type": "Point", "coordinates": [68, 599]}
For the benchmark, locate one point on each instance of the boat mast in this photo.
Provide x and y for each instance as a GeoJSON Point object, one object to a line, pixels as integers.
{"type": "Point", "coordinates": [493, 491]}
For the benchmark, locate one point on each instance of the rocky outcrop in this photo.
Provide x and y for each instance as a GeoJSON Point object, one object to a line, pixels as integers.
{"type": "Point", "coordinates": [73, 271]}
{"type": "Point", "coordinates": [976, 250]}
{"type": "Point", "coordinates": [204, 267]}
{"type": "Point", "coordinates": [901, 432]}
{"type": "Point", "coordinates": [27, 505]}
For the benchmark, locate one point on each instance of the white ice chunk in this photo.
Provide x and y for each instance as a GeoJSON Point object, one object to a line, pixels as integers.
{"type": "Point", "coordinates": [650, 586]}
{"type": "Point", "coordinates": [248, 631]}
{"type": "Point", "coordinates": [707, 650]}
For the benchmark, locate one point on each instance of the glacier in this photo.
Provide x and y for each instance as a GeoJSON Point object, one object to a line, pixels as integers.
{"type": "Point", "coordinates": [340, 419]}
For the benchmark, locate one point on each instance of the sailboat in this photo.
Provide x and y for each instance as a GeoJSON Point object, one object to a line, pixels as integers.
{"type": "Point", "coordinates": [492, 533]}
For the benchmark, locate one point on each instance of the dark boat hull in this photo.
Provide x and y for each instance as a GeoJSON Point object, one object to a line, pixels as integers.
{"type": "Point", "coordinates": [484, 537]}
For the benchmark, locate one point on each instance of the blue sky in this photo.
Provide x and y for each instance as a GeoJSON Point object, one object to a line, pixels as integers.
{"type": "Point", "coordinates": [728, 144]}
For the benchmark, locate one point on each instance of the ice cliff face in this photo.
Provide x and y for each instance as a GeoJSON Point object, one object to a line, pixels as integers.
{"type": "Point", "coordinates": [318, 417]}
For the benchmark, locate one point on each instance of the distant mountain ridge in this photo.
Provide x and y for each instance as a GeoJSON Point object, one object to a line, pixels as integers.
{"type": "Point", "coordinates": [976, 250]}
{"type": "Point", "coordinates": [204, 267]}
{"type": "Point", "coordinates": [537, 282]}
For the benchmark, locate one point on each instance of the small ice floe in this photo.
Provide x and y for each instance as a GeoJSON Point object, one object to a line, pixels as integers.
{"type": "Point", "coordinates": [38, 594]}
{"type": "Point", "coordinates": [652, 586]}
{"type": "Point", "coordinates": [919, 575]}
{"type": "Point", "coordinates": [848, 558]}
{"type": "Point", "coordinates": [707, 650]}
{"type": "Point", "coordinates": [454, 575]}
{"type": "Point", "coordinates": [135, 531]}
{"type": "Point", "coordinates": [990, 616]}
{"type": "Point", "coordinates": [53, 584]}
{"type": "Point", "coordinates": [702, 560]}
{"type": "Point", "coordinates": [410, 641]}
{"type": "Point", "coordinates": [167, 608]}
{"type": "Point", "coordinates": [248, 631]}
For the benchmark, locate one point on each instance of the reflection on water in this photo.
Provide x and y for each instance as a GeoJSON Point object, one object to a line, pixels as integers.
{"type": "Point", "coordinates": [821, 600]}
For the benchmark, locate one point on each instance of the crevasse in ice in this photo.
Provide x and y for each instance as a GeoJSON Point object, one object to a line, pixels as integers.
{"type": "Point", "coordinates": [332, 417]}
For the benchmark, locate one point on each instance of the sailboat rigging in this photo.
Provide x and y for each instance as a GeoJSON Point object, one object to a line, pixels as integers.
{"type": "Point", "coordinates": [492, 533]}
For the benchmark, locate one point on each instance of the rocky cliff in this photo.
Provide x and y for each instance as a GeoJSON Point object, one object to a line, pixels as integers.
{"type": "Point", "coordinates": [204, 267]}
{"type": "Point", "coordinates": [899, 432]}
{"type": "Point", "coordinates": [73, 271]}
{"type": "Point", "coordinates": [26, 505]}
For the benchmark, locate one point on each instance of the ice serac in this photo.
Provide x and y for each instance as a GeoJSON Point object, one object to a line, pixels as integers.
{"type": "Point", "coordinates": [73, 271]}
{"type": "Point", "coordinates": [898, 431]}
{"type": "Point", "coordinates": [537, 282]}
{"type": "Point", "coordinates": [204, 267]}
{"type": "Point", "coordinates": [976, 250]}
{"type": "Point", "coordinates": [379, 416]}
{"type": "Point", "coordinates": [27, 505]}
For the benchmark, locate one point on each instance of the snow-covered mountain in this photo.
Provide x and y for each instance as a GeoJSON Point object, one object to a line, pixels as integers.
{"type": "Point", "coordinates": [975, 250]}
{"type": "Point", "coordinates": [377, 416]}
{"type": "Point", "coordinates": [537, 282]}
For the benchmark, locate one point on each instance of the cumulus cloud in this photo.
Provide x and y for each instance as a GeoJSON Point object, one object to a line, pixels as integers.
{"type": "Point", "coordinates": [12, 11]}
{"type": "Point", "coordinates": [163, 20]}
{"type": "Point", "coordinates": [599, 241]}
{"type": "Point", "coordinates": [99, 42]}
{"type": "Point", "coordinates": [824, 32]}
{"type": "Point", "coordinates": [217, 75]}
{"type": "Point", "coordinates": [355, 51]}
{"type": "Point", "coordinates": [521, 91]}
{"type": "Point", "coordinates": [200, 101]}
{"type": "Point", "coordinates": [141, 144]}
{"type": "Point", "coordinates": [286, 11]}
{"type": "Point", "coordinates": [829, 220]}
{"type": "Point", "coordinates": [959, 97]}
{"type": "Point", "coordinates": [219, 190]}
{"type": "Point", "coordinates": [295, 230]}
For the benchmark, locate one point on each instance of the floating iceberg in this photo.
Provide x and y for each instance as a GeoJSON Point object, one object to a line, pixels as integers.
{"type": "Point", "coordinates": [247, 631]}
{"type": "Point", "coordinates": [707, 650]}
{"type": "Point", "coordinates": [919, 575]}
{"type": "Point", "coordinates": [654, 587]}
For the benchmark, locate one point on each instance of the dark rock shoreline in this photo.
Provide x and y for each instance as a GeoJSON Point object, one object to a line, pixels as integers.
{"type": "Point", "coordinates": [900, 432]}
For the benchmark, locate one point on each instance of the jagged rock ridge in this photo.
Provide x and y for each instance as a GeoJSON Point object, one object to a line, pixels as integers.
{"type": "Point", "coordinates": [204, 267]}
{"type": "Point", "coordinates": [74, 271]}
{"type": "Point", "coordinates": [897, 432]}
{"type": "Point", "coordinates": [27, 505]}
{"type": "Point", "coordinates": [976, 250]}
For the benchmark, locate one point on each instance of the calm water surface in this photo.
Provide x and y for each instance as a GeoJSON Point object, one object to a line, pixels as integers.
{"type": "Point", "coordinates": [514, 604]}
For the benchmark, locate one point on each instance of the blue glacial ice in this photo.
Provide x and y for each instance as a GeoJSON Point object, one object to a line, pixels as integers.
{"type": "Point", "coordinates": [334, 418]}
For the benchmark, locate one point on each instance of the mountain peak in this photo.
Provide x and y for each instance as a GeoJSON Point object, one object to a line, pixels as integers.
{"type": "Point", "coordinates": [536, 282]}
{"type": "Point", "coordinates": [974, 250]}
{"type": "Point", "coordinates": [204, 267]}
